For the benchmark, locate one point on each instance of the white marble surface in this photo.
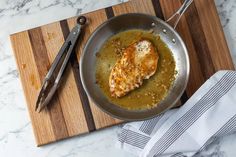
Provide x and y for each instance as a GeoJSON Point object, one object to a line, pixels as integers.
{"type": "Point", "coordinates": [16, 136]}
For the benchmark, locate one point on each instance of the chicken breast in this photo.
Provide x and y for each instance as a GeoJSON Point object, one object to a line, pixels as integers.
{"type": "Point", "coordinates": [138, 62]}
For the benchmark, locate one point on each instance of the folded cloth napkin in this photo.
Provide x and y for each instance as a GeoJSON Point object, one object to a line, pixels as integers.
{"type": "Point", "coordinates": [208, 114]}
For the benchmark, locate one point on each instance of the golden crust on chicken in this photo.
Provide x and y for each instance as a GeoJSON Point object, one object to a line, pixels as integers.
{"type": "Point", "coordinates": [138, 62]}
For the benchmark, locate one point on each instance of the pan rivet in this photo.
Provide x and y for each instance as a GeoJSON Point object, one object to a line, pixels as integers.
{"type": "Point", "coordinates": [164, 31]}
{"type": "Point", "coordinates": [153, 24]}
{"type": "Point", "coordinates": [173, 40]}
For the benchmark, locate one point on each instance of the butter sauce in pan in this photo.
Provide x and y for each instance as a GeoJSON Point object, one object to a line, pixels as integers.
{"type": "Point", "coordinates": [152, 90]}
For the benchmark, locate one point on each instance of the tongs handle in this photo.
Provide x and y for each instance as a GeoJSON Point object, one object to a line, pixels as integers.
{"type": "Point", "coordinates": [70, 41]}
{"type": "Point", "coordinates": [65, 61]}
{"type": "Point", "coordinates": [56, 61]}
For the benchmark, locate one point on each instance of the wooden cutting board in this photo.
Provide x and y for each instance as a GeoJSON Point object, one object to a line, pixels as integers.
{"type": "Point", "coordinates": [71, 112]}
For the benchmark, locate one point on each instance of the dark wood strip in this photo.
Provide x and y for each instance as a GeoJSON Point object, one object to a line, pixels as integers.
{"type": "Point", "coordinates": [157, 8]}
{"type": "Point", "coordinates": [64, 28]}
{"type": "Point", "coordinates": [184, 98]}
{"type": "Point", "coordinates": [199, 41]}
{"type": "Point", "coordinates": [109, 12]}
{"type": "Point", "coordinates": [42, 62]}
{"type": "Point", "coordinates": [75, 68]}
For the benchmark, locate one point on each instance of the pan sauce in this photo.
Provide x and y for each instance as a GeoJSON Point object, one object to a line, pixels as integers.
{"type": "Point", "coordinates": [154, 89]}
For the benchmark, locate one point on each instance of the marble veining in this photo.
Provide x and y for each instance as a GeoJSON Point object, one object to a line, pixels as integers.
{"type": "Point", "coordinates": [16, 134]}
{"type": "Point", "coordinates": [219, 147]}
{"type": "Point", "coordinates": [227, 12]}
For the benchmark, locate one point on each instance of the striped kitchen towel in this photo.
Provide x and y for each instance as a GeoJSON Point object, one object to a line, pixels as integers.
{"type": "Point", "coordinates": [208, 114]}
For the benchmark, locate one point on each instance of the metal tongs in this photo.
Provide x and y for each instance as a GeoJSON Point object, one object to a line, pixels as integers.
{"type": "Point", "coordinates": [53, 77]}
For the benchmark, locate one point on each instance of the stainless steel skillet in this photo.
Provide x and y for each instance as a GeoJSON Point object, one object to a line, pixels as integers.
{"type": "Point", "coordinates": [144, 22]}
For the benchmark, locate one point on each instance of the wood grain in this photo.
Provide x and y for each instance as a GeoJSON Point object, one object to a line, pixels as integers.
{"type": "Point", "coordinates": [68, 94]}
{"type": "Point", "coordinates": [31, 82]}
{"type": "Point", "coordinates": [42, 61]}
{"type": "Point", "coordinates": [71, 112]}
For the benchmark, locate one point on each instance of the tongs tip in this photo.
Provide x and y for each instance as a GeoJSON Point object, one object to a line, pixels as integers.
{"type": "Point", "coordinates": [39, 103]}
{"type": "Point", "coordinates": [38, 107]}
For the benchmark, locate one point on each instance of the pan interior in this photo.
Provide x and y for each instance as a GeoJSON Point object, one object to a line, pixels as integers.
{"type": "Point", "coordinates": [114, 26]}
{"type": "Point", "coordinates": [153, 90]}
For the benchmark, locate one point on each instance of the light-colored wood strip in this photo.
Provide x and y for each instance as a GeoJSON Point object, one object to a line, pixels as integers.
{"type": "Point", "coordinates": [124, 8]}
{"type": "Point", "coordinates": [67, 93]}
{"type": "Point", "coordinates": [31, 83]}
{"type": "Point", "coordinates": [134, 6]}
{"type": "Point", "coordinates": [101, 119]}
{"type": "Point", "coordinates": [214, 34]}
{"type": "Point", "coordinates": [146, 8]}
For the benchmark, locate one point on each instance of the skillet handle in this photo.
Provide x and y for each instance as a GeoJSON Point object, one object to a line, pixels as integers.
{"type": "Point", "coordinates": [180, 12]}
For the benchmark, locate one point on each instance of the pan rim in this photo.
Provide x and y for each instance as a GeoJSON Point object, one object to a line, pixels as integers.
{"type": "Point", "coordinates": [81, 64]}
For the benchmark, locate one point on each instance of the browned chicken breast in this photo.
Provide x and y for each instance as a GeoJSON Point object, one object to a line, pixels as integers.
{"type": "Point", "coordinates": [138, 62]}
